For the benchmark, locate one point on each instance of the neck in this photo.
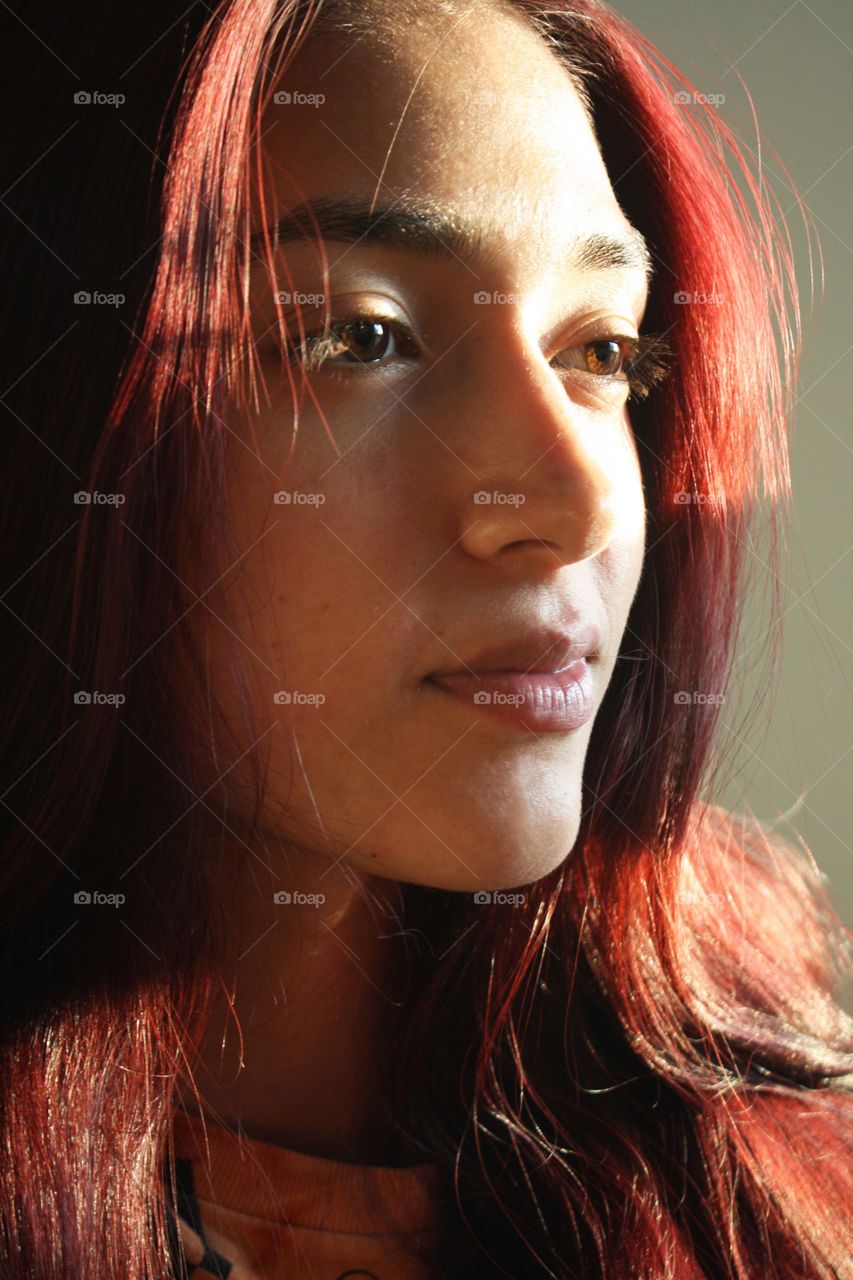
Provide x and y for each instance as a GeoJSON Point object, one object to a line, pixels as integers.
{"type": "Point", "coordinates": [295, 1049]}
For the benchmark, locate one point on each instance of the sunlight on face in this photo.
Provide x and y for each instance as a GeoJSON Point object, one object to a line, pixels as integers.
{"type": "Point", "coordinates": [460, 374]}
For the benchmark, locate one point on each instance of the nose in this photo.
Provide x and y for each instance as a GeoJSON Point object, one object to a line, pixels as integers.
{"type": "Point", "coordinates": [555, 479]}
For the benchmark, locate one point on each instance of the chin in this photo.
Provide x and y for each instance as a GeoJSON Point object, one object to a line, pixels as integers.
{"type": "Point", "coordinates": [491, 858]}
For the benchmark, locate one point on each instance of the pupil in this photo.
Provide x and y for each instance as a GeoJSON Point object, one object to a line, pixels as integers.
{"type": "Point", "coordinates": [366, 334]}
{"type": "Point", "coordinates": [606, 351]}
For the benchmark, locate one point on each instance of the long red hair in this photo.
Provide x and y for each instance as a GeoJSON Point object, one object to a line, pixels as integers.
{"type": "Point", "coordinates": [642, 1072]}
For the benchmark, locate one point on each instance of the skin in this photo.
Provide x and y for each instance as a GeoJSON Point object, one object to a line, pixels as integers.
{"type": "Point", "coordinates": [399, 573]}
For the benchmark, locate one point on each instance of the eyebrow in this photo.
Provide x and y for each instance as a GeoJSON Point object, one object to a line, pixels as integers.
{"type": "Point", "coordinates": [415, 227]}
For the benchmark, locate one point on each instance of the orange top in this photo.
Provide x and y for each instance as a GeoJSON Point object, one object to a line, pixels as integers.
{"type": "Point", "coordinates": [250, 1210]}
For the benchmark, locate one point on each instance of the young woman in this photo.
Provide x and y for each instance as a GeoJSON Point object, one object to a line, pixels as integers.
{"type": "Point", "coordinates": [391, 385]}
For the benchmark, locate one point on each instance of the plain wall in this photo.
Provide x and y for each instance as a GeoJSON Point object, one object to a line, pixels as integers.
{"type": "Point", "coordinates": [793, 768]}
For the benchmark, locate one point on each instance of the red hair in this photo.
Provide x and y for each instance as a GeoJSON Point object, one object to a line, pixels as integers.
{"type": "Point", "coordinates": [644, 1071]}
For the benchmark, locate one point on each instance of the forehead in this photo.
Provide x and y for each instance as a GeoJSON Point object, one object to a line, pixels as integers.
{"type": "Point", "coordinates": [470, 113]}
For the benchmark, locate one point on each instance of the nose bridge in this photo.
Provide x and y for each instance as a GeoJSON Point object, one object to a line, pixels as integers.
{"type": "Point", "coordinates": [535, 478]}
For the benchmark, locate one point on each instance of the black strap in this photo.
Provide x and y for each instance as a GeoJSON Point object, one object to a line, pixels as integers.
{"type": "Point", "coordinates": [189, 1211]}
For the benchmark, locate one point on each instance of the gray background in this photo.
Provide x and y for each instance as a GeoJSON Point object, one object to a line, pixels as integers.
{"type": "Point", "coordinates": [792, 767]}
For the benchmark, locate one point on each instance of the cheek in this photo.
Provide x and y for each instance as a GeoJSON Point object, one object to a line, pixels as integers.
{"type": "Point", "coordinates": [621, 565]}
{"type": "Point", "coordinates": [628, 496]}
{"type": "Point", "coordinates": [321, 597]}
{"type": "Point", "coordinates": [622, 571]}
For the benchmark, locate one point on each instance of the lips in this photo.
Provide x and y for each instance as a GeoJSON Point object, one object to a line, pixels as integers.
{"type": "Point", "coordinates": [541, 702]}
{"type": "Point", "coordinates": [539, 649]}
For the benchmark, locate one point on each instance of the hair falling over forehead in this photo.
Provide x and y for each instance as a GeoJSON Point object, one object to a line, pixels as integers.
{"type": "Point", "coordinates": [643, 1070]}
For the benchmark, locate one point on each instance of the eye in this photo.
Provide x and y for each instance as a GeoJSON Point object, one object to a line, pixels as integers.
{"type": "Point", "coordinates": [605, 358]}
{"type": "Point", "coordinates": [360, 342]}
{"type": "Point", "coordinates": [356, 340]}
{"type": "Point", "coordinates": [640, 363]}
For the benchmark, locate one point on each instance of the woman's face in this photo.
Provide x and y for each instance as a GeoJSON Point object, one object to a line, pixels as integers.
{"type": "Point", "coordinates": [387, 566]}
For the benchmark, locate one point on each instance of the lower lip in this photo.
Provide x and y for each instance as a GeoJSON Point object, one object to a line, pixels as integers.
{"type": "Point", "coordinates": [542, 701]}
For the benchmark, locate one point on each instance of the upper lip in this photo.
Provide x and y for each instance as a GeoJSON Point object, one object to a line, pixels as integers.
{"type": "Point", "coordinates": [535, 649]}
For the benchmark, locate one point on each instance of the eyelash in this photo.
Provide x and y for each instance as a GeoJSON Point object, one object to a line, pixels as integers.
{"type": "Point", "coordinates": [648, 359]}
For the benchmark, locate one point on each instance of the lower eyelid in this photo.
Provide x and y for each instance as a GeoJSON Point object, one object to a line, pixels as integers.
{"type": "Point", "coordinates": [607, 390]}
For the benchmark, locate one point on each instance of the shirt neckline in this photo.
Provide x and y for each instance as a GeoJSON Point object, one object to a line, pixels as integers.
{"type": "Point", "coordinates": [264, 1180]}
